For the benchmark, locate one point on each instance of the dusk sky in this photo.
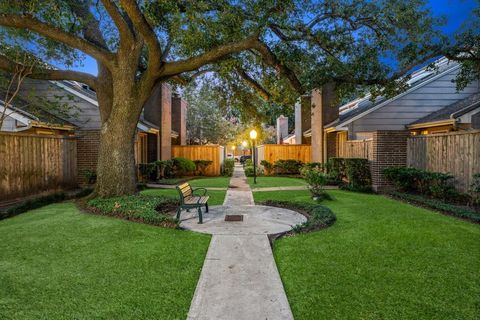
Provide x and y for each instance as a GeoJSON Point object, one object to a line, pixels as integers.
{"type": "Point", "coordinates": [456, 12]}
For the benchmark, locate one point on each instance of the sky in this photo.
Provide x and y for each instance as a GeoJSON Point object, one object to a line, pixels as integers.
{"type": "Point", "coordinates": [456, 12]}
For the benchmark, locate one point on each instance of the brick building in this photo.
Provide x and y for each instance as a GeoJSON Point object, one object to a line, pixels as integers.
{"type": "Point", "coordinates": [162, 116]}
{"type": "Point", "coordinates": [377, 129]}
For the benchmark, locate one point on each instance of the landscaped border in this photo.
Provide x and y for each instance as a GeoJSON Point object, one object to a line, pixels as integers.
{"type": "Point", "coordinates": [437, 206]}
{"type": "Point", "coordinates": [318, 216]}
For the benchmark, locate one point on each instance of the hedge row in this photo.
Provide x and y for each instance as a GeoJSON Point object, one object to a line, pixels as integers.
{"type": "Point", "coordinates": [318, 216]}
{"type": "Point", "coordinates": [140, 208]}
{"type": "Point", "coordinates": [450, 209]}
{"type": "Point", "coordinates": [41, 201]}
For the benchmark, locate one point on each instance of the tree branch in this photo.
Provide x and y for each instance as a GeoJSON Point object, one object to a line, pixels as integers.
{"type": "Point", "coordinates": [261, 91]}
{"type": "Point", "coordinates": [30, 23]}
{"type": "Point", "coordinates": [117, 17]}
{"type": "Point", "coordinates": [282, 69]}
{"type": "Point", "coordinates": [209, 57]}
{"type": "Point", "coordinates": [49, 74]}
{"type": "Point", "coordinates": [146, 31]}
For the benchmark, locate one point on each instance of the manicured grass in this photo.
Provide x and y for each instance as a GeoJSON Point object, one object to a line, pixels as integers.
{"type": "Point", "coordinates": [58, 263]}
{"type": "Point", "coordinates": [216, 196]}
{"type": "Point", "coordinates": [382, 259]}
{"type": "Point", "coordinates": [210, 182]}
{"type": "Point", "coordinates": [267, 182]}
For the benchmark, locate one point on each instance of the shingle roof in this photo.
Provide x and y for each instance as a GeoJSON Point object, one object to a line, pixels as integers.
{"type": "Point", "coordinates": [34, 112]}
{"type": "Point", "coordinates": [458, 108]}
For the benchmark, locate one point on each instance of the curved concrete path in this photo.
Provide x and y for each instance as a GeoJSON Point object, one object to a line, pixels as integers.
{"type": "Point", "coordinates": [239, 278]}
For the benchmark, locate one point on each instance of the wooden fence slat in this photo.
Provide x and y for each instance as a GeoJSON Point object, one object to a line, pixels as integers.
{"type": "Point", "coordinates": [202, 152]}
{"type": "Point", "coordinates": [457, 153]}
{"type": "Point", "coordinates": [30, 164]}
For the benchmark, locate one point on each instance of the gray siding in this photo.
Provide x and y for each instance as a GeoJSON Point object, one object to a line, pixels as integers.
{"type": "Point", "coordinates": [84, 114]}
{"type": "Point", "coordinates": [415, 105]}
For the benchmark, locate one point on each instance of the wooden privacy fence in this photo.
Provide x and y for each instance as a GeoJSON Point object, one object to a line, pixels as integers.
{"type": "Point", "coordinates": [214, 153]}
{"type": "Point", "coordinates": [457, 153]}
{"type": "Point", "coordinates": [356, 149]}
{"type": "Point", "coordinates": [274, 152]}
{"type": "Point", "coordinates": [31, 164]}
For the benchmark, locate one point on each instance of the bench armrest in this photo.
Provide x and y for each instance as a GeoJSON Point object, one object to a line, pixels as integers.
{"type": "Point", "coordinates": [200, 189]}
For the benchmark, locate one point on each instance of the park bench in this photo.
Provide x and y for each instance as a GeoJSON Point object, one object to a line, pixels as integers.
{"type": "Point", "coordinates": [189, 200]}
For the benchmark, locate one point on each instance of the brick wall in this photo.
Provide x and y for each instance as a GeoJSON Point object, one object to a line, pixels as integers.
{"type": "Point", "coordinates": [88, 142]}
{"type": "Point", "coordinates": [389, 149]}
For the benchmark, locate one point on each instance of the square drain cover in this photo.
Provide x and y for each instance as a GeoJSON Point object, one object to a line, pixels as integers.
{"type": "Point", "coordinates": [234, 217]}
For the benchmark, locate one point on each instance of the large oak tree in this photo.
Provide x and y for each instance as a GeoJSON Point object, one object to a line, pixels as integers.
{"type": "Point", "coordinates": [138, 44]}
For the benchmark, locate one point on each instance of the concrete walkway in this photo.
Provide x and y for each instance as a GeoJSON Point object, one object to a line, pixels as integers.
{"type": "Point", "coordinates": [239, 278]}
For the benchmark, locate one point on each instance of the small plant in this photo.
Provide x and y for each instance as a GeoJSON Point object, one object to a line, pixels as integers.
{"type": "Point", "coordinates": [316, 183]}
{"type": "Point", "coordinates": [267, 166]}
{"type": "Point", "coordinates": [146, 209]}
{"type": "Point", "coordinates": [248, 163]}
{"type": "Point", "coordinates": [201, 166]}
{"type": "Point", "coordinates": [228, 166]}
{"type": "Point", "coordinates": [90, 176]}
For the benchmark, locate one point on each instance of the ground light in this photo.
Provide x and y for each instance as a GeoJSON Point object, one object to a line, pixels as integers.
{"type": "Point", "coordinates": [253, 136]}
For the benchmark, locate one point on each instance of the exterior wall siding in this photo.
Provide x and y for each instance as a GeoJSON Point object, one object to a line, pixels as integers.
{"type": "Point", "coordinates": [415, 105]}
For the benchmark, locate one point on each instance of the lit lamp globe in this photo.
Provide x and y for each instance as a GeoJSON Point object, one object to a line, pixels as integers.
{"type": "Point", "coordinates": [253, 134]}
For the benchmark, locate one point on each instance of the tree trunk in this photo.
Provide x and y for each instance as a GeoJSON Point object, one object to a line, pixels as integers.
{"type": "Point", "coordinates": [116, 173]}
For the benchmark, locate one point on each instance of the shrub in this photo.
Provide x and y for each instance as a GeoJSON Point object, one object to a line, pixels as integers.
{"type": "Point", "coordinates": [457, 211]}
{"type": "Point", "coordinates": [164, 168]}
{"type": "Point", "coordinates": [201, 166]}
{"type": "Point", "coordinates": [438, 185]}
{"type": "Point", "coordinates": [318, 216]}
{"type": "Point", "coordinates": [183, 166]}
{"type": "Point", "coordinates": [90, 176]}
{"type": "Point", "coordinates": [140, 208]}
{"type": "Point", "coordinates": [315, 165]}
{"type": "Point", "coordinates": [316, 182]}
{"type": "Point", "coordinates": [288, 166]}
{"type": "Point", "coordinates": [357, 172]}
{"type": "Point", "coordinates": [248, 163]}
{"type": "Point", "coordinates": [148, 171]}
{"type": "Point", "coordinates": [475, 189]}
{"type": "Point", "coordinates": [228, 166]}
{"type": "Point", "coordinates": [249, 171]}
{"type": "Point", "coordinates": [31, 204]}
{"type": "Point", "coordinates": [267, 166]}
{"type": "Point", "coordinates": [336, 170]}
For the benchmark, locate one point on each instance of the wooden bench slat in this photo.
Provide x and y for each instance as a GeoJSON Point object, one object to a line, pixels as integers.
{"type": "Point", "coordinates": [188, 200]}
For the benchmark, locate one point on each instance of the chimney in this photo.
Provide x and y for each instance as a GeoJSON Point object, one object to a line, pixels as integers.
{"type": "Point", "coordinates": [324, 111]}
{"type": "Point", "coordinates": [158, 111]}
{"type": "Point", "coordinates": [179, 118]}
{"type": "Point", "coordinates": [282, 128]}
{"type": "Point", "coordinates": [303, 118]}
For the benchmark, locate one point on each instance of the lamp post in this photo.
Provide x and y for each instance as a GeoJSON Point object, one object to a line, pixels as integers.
{"type": "Point", "coordinates": [253, 136]}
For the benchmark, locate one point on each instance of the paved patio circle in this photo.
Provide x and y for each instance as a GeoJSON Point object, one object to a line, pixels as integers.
{"type": "Point", "coordinates": [256, 220]}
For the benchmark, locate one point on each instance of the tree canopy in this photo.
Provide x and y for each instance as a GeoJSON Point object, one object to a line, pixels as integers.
{"type": "Point", "coordinates": [272, 49]}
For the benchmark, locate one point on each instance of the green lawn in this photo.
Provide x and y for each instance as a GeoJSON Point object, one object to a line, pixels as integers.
{"type": "Point", "coordinates": [58, 263]}
{"type": "Point", "coordinates": [216, 196]}
{"type": "Point", "coordinates": [210, 182]}
{"type": "Point", "coordinates": [383, 259]}
{"type": "Point", "coordinates": [267, 182]}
